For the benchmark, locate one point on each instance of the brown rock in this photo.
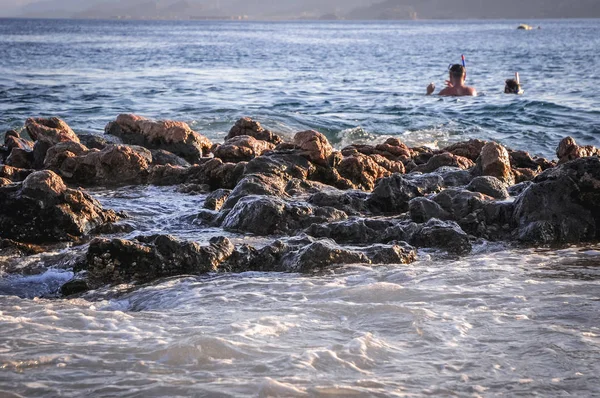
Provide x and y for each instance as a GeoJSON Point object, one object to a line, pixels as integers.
{"type": "Point", "coordinates": [314, 146]}
{"type": "Point", "coordinates": [362, 170]}
{"type": "Point", "coordinates": [20, 158]}
{"type": "Point", "coordinates": [51, 131]}
{"type": "Point", "coordinates": [4, 181]}
{"type": "Point", "coordinates": [241, 148]}
{"type": "Point", "coordinates": [247, 126]}
{"type": "Point", "coordinates": [394, 147]}
{"type": "Point", "coordinates": [172, 136]}
{"type": "Point", "coordinates": [468, 149]}
{"type": "Point", "coordinates": [569, 150]}
{"type": "Point", "coordinates": [494, 161]}
{"type": "Point", "coordinates": [14, 173]}
{"type": "Point", "coordinates": [524, 174]}
{"type": "Point", "coordinates": [13, 140]}
{"type": "Point", "coordinates": [445, 159]}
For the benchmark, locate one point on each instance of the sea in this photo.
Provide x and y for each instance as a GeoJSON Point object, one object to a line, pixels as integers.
{"type": "Point", "coordinates": [503, 321]}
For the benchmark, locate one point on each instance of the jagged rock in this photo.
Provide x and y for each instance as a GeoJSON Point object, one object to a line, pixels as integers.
{"type": "Point", "coordinates": [172, 136]}
{"type": "Point", "coordinates": [522, 159]}
{"type": "Point", "coordinates": [392, 194]}
{"type": "Point", "coordinates": [562, 205]}
{"type": "Point", "coordinates": [359, 231]}
{"type": "Point", "coordinates": [247, 126]}
{"type": "Point", "coordinates": [73, 287]}
{"type": "Point", "coordinates": [445, 235]}
{"type": "Point", "coordinates": [12, 140]}
{"type": "Point", "coordinates": [421, 155]}
{"type": "Point", "coordinates": [569, 150]}
{"type": "Point", "coordinates": [256, 184]}
{"type": "Point", "coordinates": [268, 215]}
{"type": "Point", "coordinates": [444, 160]}
{"type": "Point", "coordinates": [454, 177]}
{"type": "Point", "coordinates": [212, 172]}
{"type": "Point", "coordinates": [13, 248]}
{"type": "Point", "coordinates": [193, 189]}
{"type": "Point", "coordinates": [524, 174]}
{"type": "Point", "coordinates": [393, 148]}
{"type": "Point", "coordinates": [14, 174]}
{"type": "Point", "coordinates": [494, 161]}
{"type": "Point", "coordinates": [350, 202]}
{"type": "Point", "coordinates": [314, 146]}
{"type": "Point", "coordinates": [160, 157]}
{"type": "Point", "coordinates": [51, 131]}
{"type": "Point", "coordinates": [284, 164]}
{"type": "Point", "coordinates": [216, 199]}
{"type": "Point", "coordinates": [148, 258]}
{"type": "Point", "coordinates": [362, 171]}
{"type": "Point", "coordinates": [114, 165]}
{"type": "Point", "coordinates": [490, 186]}
{"type": "Point", "coordinates": [93, 141]}
{"type": "Point", "coordinates": [423, 209]}
{"type": "Point", "coordinates": [459, 203]}
{"type": "Point", "coordinates": [468, 149]}
{"type": "Point", "coordinates": [297, 188]}
{"type": "Point", "coordinates": [518, 189]}
{"type": "Point", "coordinates": [42, 209]}
{"type": "Point", "coordinates": [20, 158]}
{"type": "Point", "coordinates": [4, 181]}
{"type": "Point", "coordinates": [241, 148]}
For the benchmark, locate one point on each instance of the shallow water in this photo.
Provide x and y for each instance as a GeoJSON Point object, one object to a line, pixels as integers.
{"type": "Point", "coordinates": [501, 321]}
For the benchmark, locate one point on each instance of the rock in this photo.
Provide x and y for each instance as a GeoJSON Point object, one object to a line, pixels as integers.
{"type": "Point", "coordinates": [40, 150]}
{"type": "Point", "coordinates": [256, 184]}
{"type": "Point", "coordinates": [20, 158]}
{"type": "Point", "coordinates": [172, 136]}
{"type": "Point", "coordinates": [212, 172]}
{"type": "Point", "coordinates": [161, 157]}
{"type": "Point", "coordinates": [494, 161]}
{"type": "Point", "coordinates": [167, 175]}
{"type": "Point", "coordinates": [284, 164]}
{"type": "Point", "coordinates": [267, 215]}
{"type": "Point", "coordinates": [14, 174]}
{"type": "Point", "coordinates": [12, 140]}
{"type": "Point", "coordinates": [469, 149]}
{"type": "Point", "coordinates": [362, 171]}
{"type": "Point", "coordinates": [454, 177]}
{"type": "Point", "coordinates": [423, 209]}
{"type": "Point", "coordinates": [460, 203]}
{"type": "Point", "coordinates": [216, 199]}
{"type": "Point", "coordinates": [522, 159]}
{"type": "Point", "coordinates": [569, 150]}
{"type": "Point", "coordinates": [51, 131]}
{"type": "Point", "coordinates": [393, 148]}
{"type": "Point", "coordinates": [518, 189]}
{"type": "Point", "coordinates": [193, 189]}
{"type": "Point", "coordinates": [73, 287]}
{"type": "Point", "coordinates": [114, 165]}
{"type": "Point", "coordinates": [42, 210]}
{"type": "Point", "coordinates": [241, 148]}
{"type": "Point", "coordinates": [314, 146]}
{"type": "Point", "coordinates": [442, 160]}
{"type": "Point", "coordinates": [300, 188]}
{"type": "Point", "coordinates": [445, 235]}
{"type": "Point", "coordinates": [524, 174]}
{"type": "Point", "coordinates": [562, 204]}
{"type": "Point", "coordinates": [392, 194]}
{"type": "Point", "coordinates": [17, 249]}
{"type": "Point", "coordinates": [5, 181]}
{"type": "Point", "coordinates": [395, 253]}
{"type": "Point", "coordinates": [149, 258]}
{"type": "Point", "coordinates": [247, 126]}
{"type": "Point", "coordinates": [359, 231]}
{"type": "Point", "coordinates": [490, 186]}
{"type": "Point", "coordinates": [352, 202]}
{"type": "Point", "coordinates": [93, 141]}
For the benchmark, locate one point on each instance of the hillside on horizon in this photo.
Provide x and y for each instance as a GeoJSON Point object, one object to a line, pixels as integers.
{"type": "Point", "coordinates": [301, 9]}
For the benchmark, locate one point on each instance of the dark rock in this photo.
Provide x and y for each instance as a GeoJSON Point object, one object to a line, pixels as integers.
{"type": "Point", "coordinates": [296, 188]}
{"type": "Point", "coordinates": [256, 184]}
{"type": "Point", "coordinates": [469, 149]}
{"type": "Point", "coordinates": [241, 148]}
{"type": "Point", "coordinates": [423, 209]}
{"type": "Point", "coordinates": [160, 157]}
{"type": "Point", "coordinates": [14, 174]}
{"type": "Point", "coordinates": [446, 235]}
{"type": "Point", "coordinates": [172, 136]}
{"type": "Point", "coordinates": [93, 141]}
{"type": "Point", "coordinates": [42, 209]}
{"type": "Point", "coordinates": [362, 170]}
{"type": "Point", "coordinates": [12, 141]}
{"type": "Point", "coordinates": [454, 177]}
{"type": "Point", "coordinates": [459, 203]}
{"type": "Point", "coordinates": [267, 215]}
{"type": "Point", "coordinates": [20, 158]}
{"type": "Point", "coordinates": [73, 287]}
{"type": "Point", "coordinates": [392, 194]}
{"type": "Point", "coordinates": [212, 172]}
{"type": "Point", "coordinates": [322, 254]}
{"type": "Point", "coordinates": [148, 258]}
{"type": "Point", "coordinates": [490, 186]}
{"type": "Point", "coordinates": [350, 202]}
{"type": "Point", "coordinates": [286, 165]}
{"type": "Point", "coordinates": [517, 189]}
{"type": "Point", "coordinates": [194, 189]}
{"type": "Point", "coordinates": [5, 181]}
{"type": "Point", "coordinates": [359, 231]}
{"type": "Point", "coordinates": [216, 199]}
{"type": "Point", "coordinates": [247, 126]}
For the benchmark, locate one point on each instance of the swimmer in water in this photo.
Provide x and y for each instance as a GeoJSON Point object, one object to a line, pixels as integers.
{"type": "Point", "coordinates": [513, 86]}
{"type": "Point", "coordinates": [455, 86]}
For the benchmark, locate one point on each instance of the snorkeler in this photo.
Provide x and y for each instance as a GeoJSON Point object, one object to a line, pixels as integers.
{"type": "Point", "coordinates": [455, 86]}
{"type": "Point", "coordinates": [513, 86]}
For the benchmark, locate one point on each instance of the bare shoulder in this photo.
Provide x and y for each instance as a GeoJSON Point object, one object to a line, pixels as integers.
{"type": "Point", "coordinates": [471, 91]}
{"type": "Point", "coordinates": [446, 92]}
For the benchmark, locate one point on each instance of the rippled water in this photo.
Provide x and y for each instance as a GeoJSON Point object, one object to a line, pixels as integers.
{"type": "Point", "coordinates": [502, 321]}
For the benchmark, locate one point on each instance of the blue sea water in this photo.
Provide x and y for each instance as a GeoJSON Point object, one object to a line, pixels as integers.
{"type": "Point", "coordinates": [349, 80]}
{"type": "Point", "coordinates": [501, 321]}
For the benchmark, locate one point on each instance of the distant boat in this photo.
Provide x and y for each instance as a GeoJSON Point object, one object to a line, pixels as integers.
{"type": "Point", "coordinates": [525, 27]}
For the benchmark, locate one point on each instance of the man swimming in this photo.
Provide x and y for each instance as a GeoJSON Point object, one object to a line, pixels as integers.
{"type": "Point", "coordinates": [455, 86]}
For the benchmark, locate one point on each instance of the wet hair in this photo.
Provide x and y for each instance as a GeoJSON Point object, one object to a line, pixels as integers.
{"type": "Point", "coordinates": [512, 87]}
{"type": "Point", "coordinates": [457, 71]}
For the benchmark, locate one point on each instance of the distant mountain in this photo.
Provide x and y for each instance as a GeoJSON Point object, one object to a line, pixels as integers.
{"type": "Point", "coordinates": [478, 9]}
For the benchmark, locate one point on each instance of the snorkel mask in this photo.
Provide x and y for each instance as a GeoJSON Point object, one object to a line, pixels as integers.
{"type": "Point", "coordinates": [513, 86]}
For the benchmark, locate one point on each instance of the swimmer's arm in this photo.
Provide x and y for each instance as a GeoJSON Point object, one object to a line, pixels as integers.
{"type": "Point", "coordinates": [430, 88]}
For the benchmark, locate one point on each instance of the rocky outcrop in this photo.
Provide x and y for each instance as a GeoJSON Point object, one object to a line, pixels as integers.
{"type": "Point", "coordinates": [392, 194]}
{"type": "Point", "coordinates": [149, 258]}
{"type": "Point", "coordinates": [490, 186]}
{"type": "Point", "coordinates": [210, 171]}
{"type": "Point", "coordinates": [114, 165]}
{"type": "Point", "coordinates": [14, 174]}
{"type": "Point", "coordinates": [445, 160]}
{"type": "Point", "coordinates": [268, 215]}
{"type": "Point", "coordinates": [569, 150]}
{"type": "Point", "coordinates": [42, 209]}
{"type": "Point", "coordinates": [241, 148]}
{"type": "Point", "coordinates": [362, 170]}
{"type": "Point", "coordinates": [314, 146]}
{"type": "Point", "coordinates": [249, 127]}
{"type": "Point", "coordinates": [494, 161]}
{"type": "Point", "coordinates": [172, 136]}
{"type": "Point", "coordinates": [50, 131]}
